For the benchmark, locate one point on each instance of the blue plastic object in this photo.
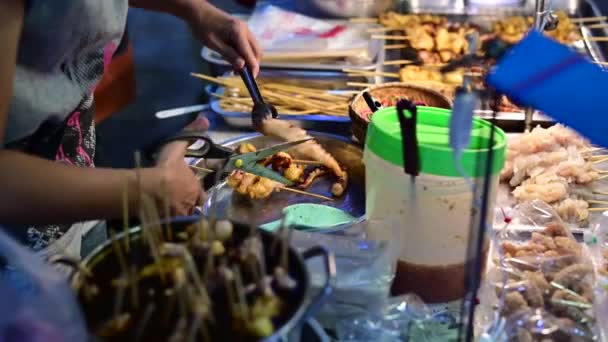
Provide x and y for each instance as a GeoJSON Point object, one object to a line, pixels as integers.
{"type": "Point", "coordinates": [546, 75]}
{"type": "Point", "coordinates": [311, 217]}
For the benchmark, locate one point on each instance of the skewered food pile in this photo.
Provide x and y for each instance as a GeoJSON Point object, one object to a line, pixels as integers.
{"type": "Point", "coordinates": [208, 281]}
{"type": "Point", "coordinates": [300, 172]}
{"type": "Point", "coordinates": [552, 165]}
{"type": "Point", "coordinates": [513, 29]}
{"type": "Point", "coordinates": [288, 99]}
{"type": "Point", "coordinates": [550, 282]}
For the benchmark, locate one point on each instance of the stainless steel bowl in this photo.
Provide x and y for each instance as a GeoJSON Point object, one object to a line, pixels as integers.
{"type": "Point", "coordinates": [348, 8]}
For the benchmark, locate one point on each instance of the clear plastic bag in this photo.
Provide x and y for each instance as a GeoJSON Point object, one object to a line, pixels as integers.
{"type": "Point", "coordinates": [37, 302]}
{"type": "Point", "coordinates": [540, 282]}
{"type": "Point", "coordinates": [364, 268]}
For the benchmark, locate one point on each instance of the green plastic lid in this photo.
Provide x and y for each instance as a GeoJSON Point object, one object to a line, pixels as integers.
{"type": "Point", "coordinates": [436, 158]}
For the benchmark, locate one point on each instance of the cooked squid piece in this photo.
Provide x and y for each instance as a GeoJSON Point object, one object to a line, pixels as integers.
{"type": "Point", "coordinates": [310, 149]}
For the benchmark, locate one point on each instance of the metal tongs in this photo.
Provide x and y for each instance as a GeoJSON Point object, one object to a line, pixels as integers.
{"type": "Point", "coordinates": [247, 162]}
{"type": "Point", "coordinates": [261, 110]}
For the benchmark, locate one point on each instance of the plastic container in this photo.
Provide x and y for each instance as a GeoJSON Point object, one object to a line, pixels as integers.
{"type": "Point", "coordinates": [435, 211]}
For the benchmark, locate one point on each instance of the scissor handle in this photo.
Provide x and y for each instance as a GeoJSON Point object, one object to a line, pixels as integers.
{"type": "Point", "coordinates": [208, 150]}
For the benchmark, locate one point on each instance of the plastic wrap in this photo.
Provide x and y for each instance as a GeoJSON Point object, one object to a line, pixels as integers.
{"type": "Point", "coordinates": [540, 282]}
{"type": "Point", "coordinates": [37, 303]}
{"type": "Point", "coordinates": [302, 33]}
{"type": "Point", "coordinates": [365, 271]}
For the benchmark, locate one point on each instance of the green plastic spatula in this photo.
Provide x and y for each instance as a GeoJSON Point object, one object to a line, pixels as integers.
{"type": "Point", "coordinates": [311, 217]}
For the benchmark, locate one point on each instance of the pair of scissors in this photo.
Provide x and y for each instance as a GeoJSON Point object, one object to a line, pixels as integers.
{"type": "Point", "coordinates": [248, 162]}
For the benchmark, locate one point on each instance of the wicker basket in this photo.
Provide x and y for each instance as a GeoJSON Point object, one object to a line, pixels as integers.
{"type": "Point", "coordinates": [411, 92]}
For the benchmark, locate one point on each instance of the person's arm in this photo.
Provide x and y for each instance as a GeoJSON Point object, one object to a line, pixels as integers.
{"type": "Point", "coordinates": [38, 191]}
{"type": "Point", "coordinates": [11, 20]}
{"type": "Point", "coordinates": [215, 28]}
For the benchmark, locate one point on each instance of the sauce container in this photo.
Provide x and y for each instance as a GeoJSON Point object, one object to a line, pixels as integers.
{"type": "Point", "coordinates": [433, 213]}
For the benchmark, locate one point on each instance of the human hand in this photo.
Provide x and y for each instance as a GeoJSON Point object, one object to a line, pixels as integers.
{"type": "Point", "coordinates": [228, 36]}
{"type": "Point", "coordinates": [174, 181]}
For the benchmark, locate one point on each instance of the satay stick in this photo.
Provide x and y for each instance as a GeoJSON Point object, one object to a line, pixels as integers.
{"type": "Point", "coordinates": [240, 292]}
{"type": "Point", "coordinates": [307, 162]}
{"type": "Point", "coordinates": [125, 214]}
{"type": "Point", "coordinates": [359, 84]}
{"type": "Point", "coordinates": [601, 160]}
{"type": "Point", "coordinates": [588, 19]}
{"type": "Point", "coordinates": [390, 37]}
{"type": "Point", "coordinates": [602, 177]}
{"type": "Point", "coordinates": [363, 20]}
{"type": "Point", "coordinates": [398, 62]}
{"type": "Point", "coordinates": [598, 39]}
{"type": "Point", "coordinates": [597, 26]}
{"type": "Point", "coordinates": [141, 325]}
{"type": "Point", "coordinates": [198, 168]}
{"type": "Point", "coordinates": [305, 193]}
{"type": "Point", "coordinates": [215, 80]}
{"type": "Point", "coordinates": [359, 73]}
{"type": "Point", "coordinates": [597, 209]}
{"type": "Point", "coordinates": [394, 46]}
{"type": "Point", "coordinates": [596, 202]}
{"type": "Point", "coordinates": [379, 29]}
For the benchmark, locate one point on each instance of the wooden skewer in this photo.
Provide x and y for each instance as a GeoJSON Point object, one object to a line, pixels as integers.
{"type": "Point", "coordinates": [592, 149]}
{"type": "Point", "coordinates": [394, 46]}
{"type": "Point", "coordinates": [596, 202]}
{"type": "Point", "coordinates": [600, 192]}
{"type": "Point", "coordinates": [306, 193]}
{"type": "Point", "coordinates": [598, 39]}
{"type": "Point", "coordinates": [601, 160]}
{"type": "Point", "coordinates": [363, 20]}
{"type": "Point", "coordinates": [359, 84]}
{"type": "Point", "coordinates": [210, 79]}
{"type": "Point", "coordinates": [597, 26]}
{"type": "Point", "coordinates": [200, 168]}
{"type": "Point", "coordinates": [307, 162]}
{"type": "Point", "coordinates": [597, 209]}
{"type": "Point", "coordinates": [588, 19]}
{"type": "Point", "coordinates": [602, 177]}
{"type": "Point", "coordinates": [389, 37]}
{"type": "Point", "coordinates": [398, 62]}
{"type": "Point", "coordinates": [379, 29]}
{"type": "Point", "coordinates": [372, 74]}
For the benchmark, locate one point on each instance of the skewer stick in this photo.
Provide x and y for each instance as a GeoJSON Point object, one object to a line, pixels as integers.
{"type": "Point", "coordinates": [141, 325]}
{"type": "Point", "coordinates": [198, 168]}
{"type": "Point", "coordinates": [125, 213]}
{"type": "Point", "coordinates": [588, 19]}
{"type": "Point", "coordinates": [600, 192]}
{"type": "Point", "coordinates": [394, 46]}
{"type": "Point", "coordinates": [601, 160]}
{"type": "Point", "coordinates": [215, 80]}
{"type": "Point", "coordinates": [379, 29]}
{"type": "Point", "coordinates": [596, 202]}
{"type": "Point", "coordinates": [390, 37]}
{"type": "Point", "coordinates": [592, 149]}
{"type": "Point", "coordinates": [359, 84]}
{"type": "Point", "coordinates": [398, 62]}
{"type": "Point", "coordinates": [597, 26]}
{"type": "Point", "coordinates": [602, 177]}
{"type": "Point", "coordinates": [597, 209]}
{"type": "Point", "coordinates": [307, 162]}
{"type": "Point", "coordinates": [305, 193]}
{"type": "Point", "coordinates": [363, 20]}
{"type": "Point", "coordinates": [359, 73]}
{"type": "Point", "coordinates": [598, 39]}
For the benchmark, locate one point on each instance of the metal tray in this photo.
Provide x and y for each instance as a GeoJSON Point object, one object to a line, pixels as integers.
{"type": "Point", "coordinates": [377, 50]}
{"type": "Point", "coordinates": [224, 203]}
{"type": "Point", "coordinates": [340, 125]}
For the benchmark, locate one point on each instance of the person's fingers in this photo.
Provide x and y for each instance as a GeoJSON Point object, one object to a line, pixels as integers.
{"type": "Point", "coordinates": [243, 46]}
{"type": "Point", "coordinates": [230, 54]}
{"type": "Point", "coordinates": [172, 151]}
{"type": "Point", "coordinates": [200, 124]}
{"type": "Point", "coordinates": [257, 48]}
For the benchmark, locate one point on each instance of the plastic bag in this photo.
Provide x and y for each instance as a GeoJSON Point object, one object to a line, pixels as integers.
{"type": "Point", "coordinates": [404, 318]}
{"type": "Point", "coordinates": [301, 33]}
{"type": "Point", "coordinates": [37, 303]}
{"type": "Point", "coordinates": [364, 268]}
{"type": "Point", "coordinates": [543, 276]}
